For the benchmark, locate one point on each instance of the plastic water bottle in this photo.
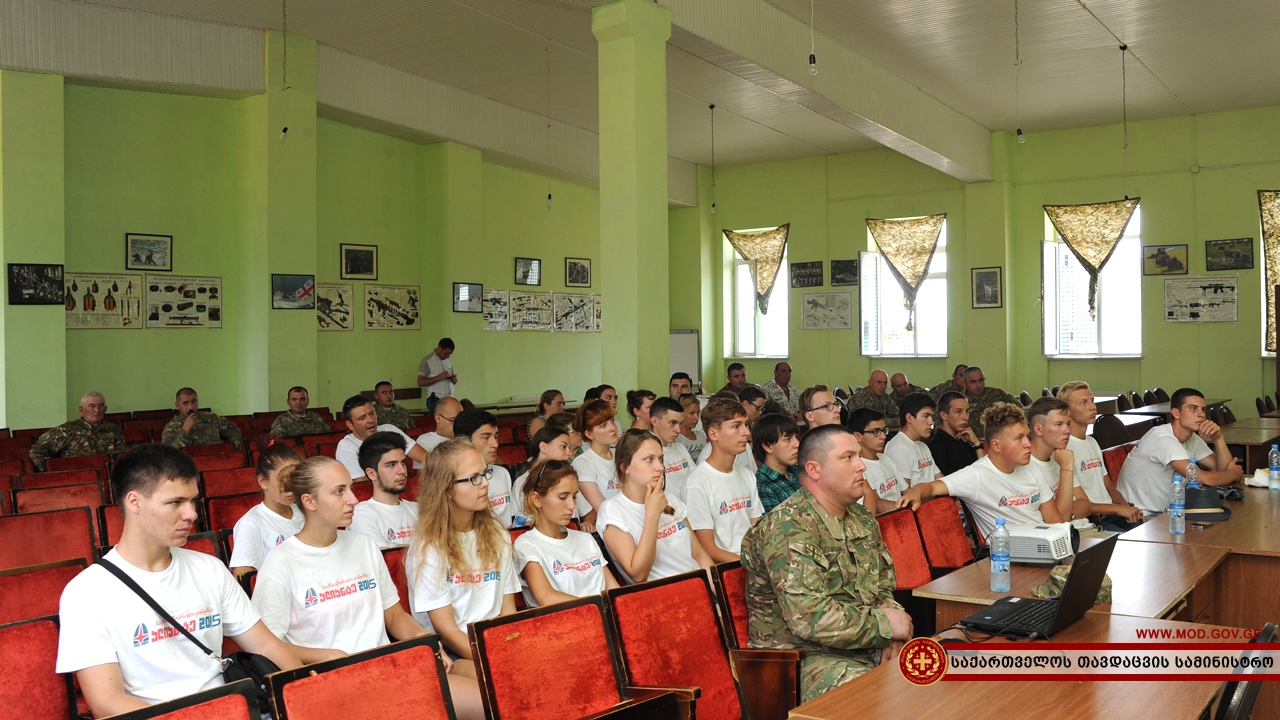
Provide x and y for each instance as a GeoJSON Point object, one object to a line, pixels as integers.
{"type": "Point", "coordinates": [999, 542]}
{"type": "Point", "coordinates": [1193, 475]}
{"type": "Point", "coordinates": [1178, 507]}
{"type": "Point", "coordinates": [1273, 460]}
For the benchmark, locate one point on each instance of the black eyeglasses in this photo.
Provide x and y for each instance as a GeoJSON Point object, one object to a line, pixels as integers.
{"type": "Point", "coordinates": [478, 479]}
{"type": "Point", "coordinates": [878, 432]}
{"type": "Point", "coordinates": [449, 419]}
{"type": "Point", "coordinates": [828, 406]}
{"type": "Point", "coordinates": [759, 408]}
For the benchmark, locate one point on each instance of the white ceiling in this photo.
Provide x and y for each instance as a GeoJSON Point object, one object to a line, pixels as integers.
{"type": "Point", "coordinates": [1187, 56]}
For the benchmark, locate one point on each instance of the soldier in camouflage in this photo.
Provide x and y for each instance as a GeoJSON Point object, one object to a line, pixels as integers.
{"type": "Point", "coordinates": [819, 577]}
{"type": "Point", "coordinates": [954, 384]}
{"type": "Point", "coordinates": [903, 387]}
{"type": "Point", "coordinates": [982, 397]}
{"type": "Point", "coordinates": [298, 420]}
{"type": "Point", "coordinates": [876, 396]}
{"type": "Point", "coordinates": [389, 413]}
{"type": "Point", "coordinates": [190, 427]}
{"type": "Point", "coordinates": [87, 435]}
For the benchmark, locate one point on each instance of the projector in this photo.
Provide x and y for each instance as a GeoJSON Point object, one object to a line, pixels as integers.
{"type": "Point", "coordinates": [1042, 545]}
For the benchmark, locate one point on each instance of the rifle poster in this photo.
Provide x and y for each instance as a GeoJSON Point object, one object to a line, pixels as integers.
{"type": "Point", "coordinates": [1201, 299]}
{"type": "Point", "coordinates": [392, 307]}
{"type": "Point", "coordinates": [333, 306]}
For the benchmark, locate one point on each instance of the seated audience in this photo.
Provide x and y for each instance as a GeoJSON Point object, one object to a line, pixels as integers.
{"type": "Point", "coordinates": [362, 421]}
{"type": "Point", "coordinates": [593, 393]}
{"type": "Point", "coordinates": [124, 657]}
{"type": "Point", "coordinates": [753, 401]}
{"type": "Point", "coordinates": [736, 373]}
{"type": "Point", "coordinates": [953, 384]}
{"type": "Point", "coordinates": [190, 427]}
{"type": "Point", "coordinates": [907, 448]}
{"type": "Point", "coordinates": [89, 434]}
{"type": "Point", "coordinates": [819, 577]}
{"type": "Point", "coordinates": [723, 502]}
{"type": "Point", "coordinates": [389, 413]}
{"type": "Point", "coordinates": [877, 397]}
{"type": "Point", "coordinates": [779, 389]}
{"type": "Point", "coordinates": [646, 530]}
{"type": "Point", "coordinates": [298, 420]}
{"type": "Point", "coordinates": [953, 443]}
{"type": "Point", "coordinates": [666, 415]}
{"type": "Point", "coordinates": [548, 444]}
{"type": "Point", "coordinates": [564, 421]}
{"type": "Point", "coordinates": [1147, 476]}
{"type": "Point", "coordinates": [691, 435]}
{"type": "Point", "coordinates": [550, 403]}
{"type": "Point", "coordinates": [1050, 425]}
{"type": "Point", "coordinates": [775, 442]}
{"type": "Point", "coordinates": [481, 428]}
{"type": "Point", "coordinates": [596, 480]}
{"type": "Point", "coordinates": [638, 402]}
{"type": "Point", "coordinates": [680, 384]}
{"type": "Point", "coordinates": [557, 564]}
{"type": "Point", "coordinates": [272, 521]}
{"type": "Point", "coordinates": [384, 517]}
{"type": "Point", "coordinates": [745, 459]}
{"type": "Point", "coordinates": [818, 407]}
{"type": "Point", "coordinates": [902, 387]}
{"type": "Point", "coordinates": [885, 482]}
{"type": "Point", "coordinates": [1113, 512]}
{"type": "Point", "coordinates": [981, 397]}
{"type": "Point", "coordinates": [610, 395]}
{"type": "Point", "coordinates": [447, 409]}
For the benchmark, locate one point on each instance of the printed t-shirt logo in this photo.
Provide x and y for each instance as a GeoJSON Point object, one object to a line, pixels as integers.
{"type": "Point", "coordinates": [141, 636]}
{"type": "Point", "coordinates": [1019, 500]}
{"type": "Point", "coordinates": [279, 539]}
{"type": "Point", "coordinates": [500, 501]}
{"type": "Point", "coordinates": [394, 535]}
{"type": "Point", "coordinates": [336, 590]}
{"type": "Point", "coordinates": [310, 599]}
{"type": "Point", "coordinates": [678, 466]}
{"type": "Point", "coordinates": [734, 505]}
{"type": "Point", "coordinates": [924, 464]}
{"type": "Point", "coordinates": [557, 568]}
{"type": "Point", "coordinates": [391, 534]}
{"type": "Point", "coordinates": [1088, 464]}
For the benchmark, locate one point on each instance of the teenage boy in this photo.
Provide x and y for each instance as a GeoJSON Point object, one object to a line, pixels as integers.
{"type": "Point", "coordinates": [385, 517]}
{"type": "Point", "coordinates": [751, 408]}
{"type": "Point", "coordinates": [666, 415]}
{"type": "Point", "coordinates": [907, 448]}
{"type": "Point", "coordinates": [723, 502]}
{"type": "Point", "coordinates": [1113, 511]}
{"type": "Point", "coordinates": [362, 421]}
{"type": "Point", "coordinates": [775, 442]}
{"type": "Point", "coordinates": [1050, 425]}
{"type": "Point", "coordinates": [481, 428]}
{"type": "Point", "coordinates": [1000, 484]}
{"type": "Point", "coordinates": [953, 444]}
{"type": "Point", "coordinates": [123, 654]}
{"type": "Point", "coordinates": [818, 407]}
{"type": "Point", "coordinates": [882, 475]}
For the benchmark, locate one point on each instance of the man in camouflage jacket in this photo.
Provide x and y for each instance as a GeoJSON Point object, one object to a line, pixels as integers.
{"type": "Point", "coordinates": [190, 427]}
{"type": "Point", "coordinates": [877, 397]}
{"type": "Point", "coordinates": [389, 413]}
{"type": "Point", "coordinates": [86, 435]}
{"type": "Point", "coordinates": [819, 577]}
{"type": "Point", "coordinates": [982, 397]}
{"type": "Point", "coordinates": [298, 420]}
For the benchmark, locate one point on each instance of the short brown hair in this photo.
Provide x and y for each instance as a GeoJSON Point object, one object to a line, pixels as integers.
{"type": "Point", "coordinates": [1042, 407]}
{"type": "Point", "coordinates": [720, 410]}
{"type": "Point", "coordinates": [1000, 416]}
{"type": "Point", "coordinates": [805, 403]}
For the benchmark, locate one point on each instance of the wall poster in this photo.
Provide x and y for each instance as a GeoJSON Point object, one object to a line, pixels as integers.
{"type": "Point", "coordinates": [827, 311]}
{"type": "Point", "coordinates": [176, 301]}
{"type": "Point", "coordinates": [333, 306]}
{"type": "Point", "coordinates": [104, 300]}
{"type": "Point", "coordinates": [1201, 299]}
{"type": "Point", "coordinates": [574, 313]}
{"type": "Point", "coordinates": [531, 310]}
{"type": "Point", "coordinates": [496, 310]}
{"type": "Point", "coordinates": [392, 307]}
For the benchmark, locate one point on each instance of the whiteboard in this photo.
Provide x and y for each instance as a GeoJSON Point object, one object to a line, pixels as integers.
{"type": "Point", "coordinates": [686, 354]}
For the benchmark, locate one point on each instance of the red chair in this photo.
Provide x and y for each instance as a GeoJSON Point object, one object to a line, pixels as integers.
{"type": "Point", "coordinates": [394, 558]}
{"type": "Point", "coordinates": [1114, 459]}
{"type": "Point", "coordinates": [84, 462]}
{"type": "Point", "coordinates": [206, 543]}
{"type": "Point", "coordinates": [223, 512]}
{"type": "Point", "coordinates": [267, 414]}
{"type": "Point", "coordinates": [235, 701]}
{"type": "Point", "coordinates": [38, 538]}
{"type": "Point", "coordinates": [401, 680]}
{"type": "Point", "coordinates": [506, 435]}
{"type": "Point", "coordinates": [117, 418]}
{"type": "Point", "coordinates": [902, 538]}
{"type": "Point", "coordinates": [942, 530]}
{"type": "Point", "coordinates": [155, 427]}
{"type": "Point", "coordinates": [323, 412]}
{"type": "Point", "coordinates": [329, 449]}
{"type": "Point", "coordinates": [222, 461]}
{"type": "Point", "coordinates": [731, 590]}
{"type": "Point", "coordinates": [512, 455]}
{"type": "Point", "coordinates": [32, 433]}
{"type": "Point", "coordinates": [59, 497]}
{"type": "Point", "coordinates": [410, 488]}
{"type": "Point", "coordinates": [34, 591]}
{"type": "Point", "coordinates": [6, 491]}
{"type": "Point", "coordinates": [29, 653]}
{"type": "Point", "coordinates": [18, 455]}
{"type": "Point", "coordinates": [61, 477]}
{"type": "Point", "coordinates": [229, 482]}
{"type": "Point", "coordinates": [363, 489]}
{"type": "Point", "coordinates": [311, 441]}
{"type": "Point", "coordinates": [21, 441]}
{"type": "Point", "coordinates": [337, 425]}
{"type": "Point", "coordinates": [260, 426]}
{"type": "Point", "coordinates": [165, 414]}
{"type": "Point", "coordinates": [12, 467]}
{"type": "Point", "coordinates": [136, 436]}
{"type": "Point", "coordinates": [216, 449]}
{"type": "Point", "coordinates": [416, 432]}
{"type": "Point", "coordinates": [426, 422]}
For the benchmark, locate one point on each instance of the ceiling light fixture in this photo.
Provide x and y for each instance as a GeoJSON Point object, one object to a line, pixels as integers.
{"type": "Point", "coordinates": [284, 68]}
{"type": "Point", "coordinates": [1017, 74]}
{"type": "Point", "coordinates": [548, 125]}
{"type": "Point", "coordinates": [813, 59]}
{"type": "Point", "coordinates": [713, 158]}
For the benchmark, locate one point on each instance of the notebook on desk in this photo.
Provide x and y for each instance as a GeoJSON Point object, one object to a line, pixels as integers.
{"type": "Point", "coordinates": [1029, 617]}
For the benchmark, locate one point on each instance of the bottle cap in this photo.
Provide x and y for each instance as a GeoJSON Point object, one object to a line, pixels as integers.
{"type": "Point", "coordinates": [999, 522]}
{"type": "Point", "coordinates": [1177, 477]}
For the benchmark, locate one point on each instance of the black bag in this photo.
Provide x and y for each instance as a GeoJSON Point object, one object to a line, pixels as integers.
{"type": "Point", "coordinates": [239, 666]}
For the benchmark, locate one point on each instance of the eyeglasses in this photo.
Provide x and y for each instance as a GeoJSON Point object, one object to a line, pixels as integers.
{"type": "Point", "coordinates": [759, 408]}
{"type": "Point", "coordinates": [877, 432]}
{"type": "Point", "coordinates": [449, 419]}
{"type": "Point", "coordinates": [478, 479]}
{"type": "Point", "coordinates": [828, 406]}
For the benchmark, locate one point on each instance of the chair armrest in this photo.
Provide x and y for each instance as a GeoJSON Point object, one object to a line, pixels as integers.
{"type": "Point", "coordinates": [642, 705]}
{"type": "Point", "coordinates": [769, 681]}
{"type": "Point", "coordinates": [686, 697]}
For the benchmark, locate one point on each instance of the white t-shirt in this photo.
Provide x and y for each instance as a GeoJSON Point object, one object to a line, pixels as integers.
{"type": "Point", "coordinates": [884, 478]}
{"type": "Point", "coordinates": [990, 494]}
{"type": "Point", "coordinates": [912, 458]}
{"type": "Point", "coordinates": [573, 565]}
{"type": "Point", "coordinates": [349, 450]}
{"type": "Point", "coordinates": [430, 441]}
{"type": "Point", "coordinates": [678, 464]}
{"type": "Point", "coordinates": [389, 525]}
{"type": "Point", "coordinates": [1090, 469]}
{"type": "Point", "coordinates": [1146, 480]}
{"type": "Point", "coordinates": [594, 469]}
{"type": "Point", "coordinates": [744, 459]}
{"type": "Point", "coordinates": [674, 552]}
{"type": "Point", "coordinates": [500, 498]}
{"type": "Point", "coordinates": [693, 446]}
{"type": "Point", "coordinates": [1049, 470]}
{"type": "Point", "coordinates": [432, 365]}
{"type": "Point", "coordinates": [476, 595]}
{"type": "Point", "coordinates": [259, 531]}
{"type": "Point", "coordinates": [331, 597]}
{"type": "Point", "coordinates": [103, 621]}
{"type": "Point", "coordinates": [723, 502]}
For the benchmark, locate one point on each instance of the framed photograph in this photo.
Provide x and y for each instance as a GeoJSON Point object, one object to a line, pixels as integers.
{"type": "Point", "coordinates": [293, 292]}
{"type": "Point", "coordinates": [577, 272]}
{"type": "Point", "coordinates": [148, 252]}
{"type": "Point", "coordinates": [806, 274]}
{"type": "Point", "coordinates": [359, 262]}
{"type": "Point", "coordinates": [1164, 260]}
{"type": "Point", "coordinates": [36, 284]}
{"type": "Point", "coordinates": [1234, 254]}
{"type": "Point", "coordinates": [468, 298]}
{"type": "Point", "coordinates": [988, 289]}
{"type": "Point", "coordinates": [528, 271]}
{"type": "Point", "coordinates": [844, 272]}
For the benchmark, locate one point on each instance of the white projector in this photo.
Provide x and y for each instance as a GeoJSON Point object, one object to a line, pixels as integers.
{"type": "Point", "coordinates": [1043, 544]}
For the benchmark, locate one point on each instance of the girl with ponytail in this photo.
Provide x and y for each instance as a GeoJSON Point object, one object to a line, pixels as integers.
{"type": "Point", "coordinates": [272, 521]}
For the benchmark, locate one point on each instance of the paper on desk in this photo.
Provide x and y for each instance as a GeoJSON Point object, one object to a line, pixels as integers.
{"type": "Point", "coordinates": [1259, 478]}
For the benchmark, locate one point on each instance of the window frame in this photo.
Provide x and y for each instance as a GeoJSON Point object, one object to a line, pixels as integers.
{"type": "Point", "coordinates": [883, 272]}
{"type": "Point", "coordinates": [780, 283]}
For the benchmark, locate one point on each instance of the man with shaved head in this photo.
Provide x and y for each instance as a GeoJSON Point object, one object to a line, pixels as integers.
{"type": "Point", "coordinates": [86, 435]}
{"type": "Point", "coordinates": [903, 387]}
{"type": "Point", "coordinates": [981, 397]}
{"type": "Point", "coordinates": [955, 383]}
{"type": "Point", "coordinates": [877, 397]}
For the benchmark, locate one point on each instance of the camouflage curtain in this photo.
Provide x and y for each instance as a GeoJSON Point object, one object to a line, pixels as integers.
{"type": "Point", "coordinates": [907, 246]}
{"type": "Point", "coordinates": [763, 250]}
{"type": "Point", "coordinates": [1092, 233]}
{"type": "Point", "coordinates": [1269, 207]}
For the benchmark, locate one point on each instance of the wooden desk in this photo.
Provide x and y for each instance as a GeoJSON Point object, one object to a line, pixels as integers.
{"type": "Point", "coordinates": [1272, 414]}
{"type": "Point", "coordinates": [1163, 407]}
{"type": "Point", "coordinates": [1256, 441]}
{"type": "Point", "coordinates": [1106, 404]}
{"type": "Point", "coordinates": [1262, 422]}
{"type": "Point", "coordinates": [1148, 580]}
{"type": "Point", "coordinates": [884, 694]}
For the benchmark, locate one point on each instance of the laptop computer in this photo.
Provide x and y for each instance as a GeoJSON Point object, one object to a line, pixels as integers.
{"type": "Point", "coordinates": [1028, 617]}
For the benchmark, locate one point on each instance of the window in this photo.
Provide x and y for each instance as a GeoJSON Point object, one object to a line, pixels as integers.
{"type": "Point", "coordinates": [756, 335]}
{"type": "Point", "coordinates": [884, 317]}
{"type": "Point", "coordinates": [1069, 331]}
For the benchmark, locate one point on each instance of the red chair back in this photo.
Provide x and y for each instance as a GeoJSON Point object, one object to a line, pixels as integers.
{"type": "Point", "coordinates": [216, 449]}
{"type": "Point", "coordinates": [229, 482]}
{"type": "Point", "coordinates": [945, 542]}
{"type": "Point", "coordinates": [32, 433]}
{"type": "Point", "coordinates": [222, 461]}
{"type": "Point", "coordinates": [22, 441]}
{"type": "Point", "coordinates": [63, 477]}
{"type": "Point", "coordinates": [512, 455]}
{"type": "Point", "coordinates": [29, 654]}
{"type": "Point", "coordinates": [426, 422]}
{"type": "Point", "coordinates": [12, 467]}
{"type": "Point", "coordinates": [206, 543]}
{"type": "Point", "coordinates": [6, 491]}
{"type": "Point", "coordinates": [135, 436]}
{"type": "Point", "coordinates": [731, 589]}
{"type": "Point", "coordinates": [411, 488]}
{"type": "Point", "coordinates": [154, 426]}
{"type": "Point", "coordinates": [259, 426]}
{"type": "Point", "coordinates": [327, 449]}
{"type": "Point", "coordinates": [902, 538]}
{"type": "Point", "coordinates": [394, 558]}
{"type": "Point", "coordinates": [163, 414]}
{"type": "Point", "coordinates": [33, 592]}
{"type": "Point", "coordinates": [363, 489]}
{"type": "Point", "coordinates": [235, 701]}
{"type": "Point", "coordinates": [311, 441]}
{"type": "Point", "coordinates": [223, 512]}
{"type": "Point", "coordinates": [268, 414]}
{"type": "Point", "coordinates": [84, 462]}
{"type": "Point", "coordinates": [18, 455]}
{"type": "Point", "coordinates": [1114, 459]}
{"type": "Point", "coordinates": [39, 538]}
{"type": "Point", "coordinates": [59, 497]}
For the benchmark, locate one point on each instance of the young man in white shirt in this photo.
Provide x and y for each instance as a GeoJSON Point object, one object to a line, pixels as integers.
{"type": "Point", "coordinates": [385, 517]}
{"type": "Point", "coordinates": [446, 412]}
{"type": "Point", "coordinates": [885, 481]}
{"type": "Point", "coordinates": [723, 501]}
{"type": "Point", "coordinates": [1050, 424]}
{"type": "Point", "coordinates": [1147, 476]}
{"type": "Point", "coordinates": [435, 373]}
{"type": "Point", "coordinates": [1001, 484]}
{"type": "Point", "coordinates": [1113, 511]}
{"type": "Point", "coordinates": [818, 407]}
{"type": "Point", "coordinates": [362, 421]}
{"type": "Point", "coordinates": [123, 654]}
{"type": "Point", "coordinates": [666, 415]}
{"type": "Point", "coordinates": [907, 449]}
{"type": "Point", "coordinates": [481, 428]}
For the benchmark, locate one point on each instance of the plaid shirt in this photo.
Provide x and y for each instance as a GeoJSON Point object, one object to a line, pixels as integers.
{"type": "Point", "coordinates": [774, 487]}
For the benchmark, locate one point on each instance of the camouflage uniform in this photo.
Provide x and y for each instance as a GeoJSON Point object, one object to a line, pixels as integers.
{"type": "Point", "coordinates": [210, 429]}
{"type": "Point", "coordinates": [911, 388]}
{"type": "Point", "coordinates": [773, 391]}
{"type": "Point", "coordinates": [77, 438]}
{"type": "Point", "coordinates": [817, 583]}
{"type": "Point", "coordinates": [989, 397]}
{"type": "Point", "coordinates": [941, 388]}
{"type": "Point", "coordinates": [885, 404]}
{"type": "Point", "coordinates": [287, 424]}
{"type": "Point", "coordinates": [394, 415]}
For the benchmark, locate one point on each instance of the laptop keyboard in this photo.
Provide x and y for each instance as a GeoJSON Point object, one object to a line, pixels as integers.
{"type": "Point", "coordinates": [1031, 616]}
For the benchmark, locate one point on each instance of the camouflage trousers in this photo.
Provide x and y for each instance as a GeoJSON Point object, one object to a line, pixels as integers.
{"type": "Point", "coordinates": [822, 672]}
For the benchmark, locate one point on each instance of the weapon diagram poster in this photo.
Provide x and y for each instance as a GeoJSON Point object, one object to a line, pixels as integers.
{"type": "Point", "coordinates": [827, 311]}
{"type": "Point", "coordinates": [333, 306]}
{"type": "Point", "coordinates": [597, 304]}
{"type": "Point", "coordinates": [1201, 299]}
{"type": "Point", "coordinates": [175, 301]}
{"type": "Point", "coordinates": [392, 307]}
{"type": "Point", "coordinates": [104, 300]}
{"type": "Point", "coordinates": [574, 313]}
{"type": "Point", "coordinates": [496, 310]}
{"type": "Point", "coordinates": [531, 311]}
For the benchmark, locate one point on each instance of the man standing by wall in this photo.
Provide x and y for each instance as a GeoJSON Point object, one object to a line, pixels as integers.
{"type": "Point", "coordinates": [435, 373]}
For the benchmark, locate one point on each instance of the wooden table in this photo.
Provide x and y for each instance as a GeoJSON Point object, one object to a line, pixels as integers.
{"type": "Point", "coordinates": [1256, 441]}
{"type": "Point", "coordinates": [1262, 422]}
{"type": "Point", "coordinates": [884, 694]}
{"type": "Point", "coordinates": [1272, 414]}
{"type": "Point", "coordinates": [1106, 404]}
{"type": "Point", "coordinates": [1149, 580]}
{"type": "Point", "coordinates": [1163, 407]}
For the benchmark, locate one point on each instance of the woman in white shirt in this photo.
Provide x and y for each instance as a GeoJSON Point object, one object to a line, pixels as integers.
{"type": "Point", "coordinates": [551, 402]}
{"type": "Point", "coordinates": [460, 567]}
{"type": "Point", "coordinates": [647, 531]}
{"type": "Point", "coordinates": [638, 403]}
{"type": "Point", "coordinates": [610, 395]}
{"type": "Point", "coordinates": [691, 436]}
{"type": "Point", "coordinates": [273, 521]}
{"type": "Point", "coordinates": [557, 564]}
{"type": "Point", "coordinates": [596, 478]}
{"type": "Point", "coordinates": [549, 444]}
